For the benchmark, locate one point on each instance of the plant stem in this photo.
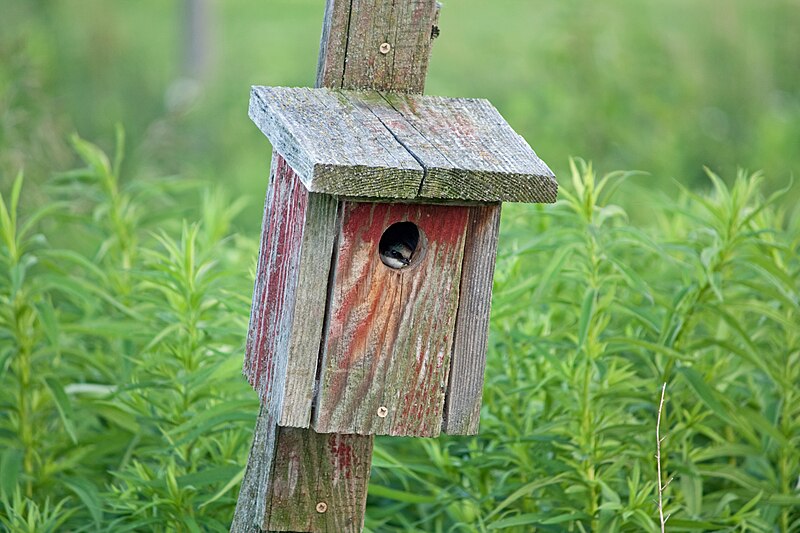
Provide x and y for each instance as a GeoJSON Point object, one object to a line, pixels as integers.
{"type": "Point", "coordinates": [23, 371]}
{"type": "Point", "coordinates": [661, 485]}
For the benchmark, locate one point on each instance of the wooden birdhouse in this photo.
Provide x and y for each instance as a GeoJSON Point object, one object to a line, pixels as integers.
{"type": "Point", "coordinates": [371, 306]}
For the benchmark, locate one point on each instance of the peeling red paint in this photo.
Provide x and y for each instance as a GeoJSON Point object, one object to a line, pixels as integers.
{"type": "Point", "coordinates": [276, 278]}
{"type": "Point", "coordinates": [390, 333]}
{"type": "Point", "coordinates": [341, 455]}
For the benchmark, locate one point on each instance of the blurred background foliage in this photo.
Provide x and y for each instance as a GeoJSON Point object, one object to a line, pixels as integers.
{"type": "Point", "coordinates": [664, 87]}
{"type": "Point", "coordinates": [126, 265]}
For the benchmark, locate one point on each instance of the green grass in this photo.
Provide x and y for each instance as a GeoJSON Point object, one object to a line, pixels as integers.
{"type": "Point", "coordinates": [125, 282]}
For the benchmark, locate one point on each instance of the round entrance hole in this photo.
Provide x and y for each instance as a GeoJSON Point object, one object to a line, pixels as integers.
{"type": "Point", "coordinates": [401, 245]}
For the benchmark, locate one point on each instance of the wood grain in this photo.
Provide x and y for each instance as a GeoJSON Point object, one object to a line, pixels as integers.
{"type": "Point", "coordinates": [335, 147]}
{"type": "Point", "coordinates": [470, 152]}
{"type": "Point", "coordinates": [390, 332]}
{"type": "Point", "coordinates": [251, 507]}
{"type": "Point", "coordinates": [286, 318]}
{"type": "Point", "coordinates": [290, 471]}
{"type": "Point", "coordinates": [403, 146]}
{"type": "Point", "coordinates": [319, 235]}
{"type": "Point", "coordinates": [468, 360]}
{"type": "Point", "coordinates": [276, 282]}
{"type": "Point", "coordinates": [313, 469]}
{"type": "Point", "coordinates": [352, 35]}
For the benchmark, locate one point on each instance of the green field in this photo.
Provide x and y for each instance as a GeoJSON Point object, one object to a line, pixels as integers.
{"type": "Point", "coordinates": [127, 260]}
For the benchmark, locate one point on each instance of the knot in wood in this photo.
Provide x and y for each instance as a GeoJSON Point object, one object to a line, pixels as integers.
{"type": "Point", "coordinates": [385, 48]}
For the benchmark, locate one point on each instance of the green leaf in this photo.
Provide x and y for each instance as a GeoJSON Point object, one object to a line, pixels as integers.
{"type": "Point", "coordinates": [225, 489]}
{"type": "Point", "coordinates": [49, 322]}
{"type": "Point", "coordinates": [587, 311]}
{"type": "Point", "coordinates": [89, 495]}
{"type": "Point", "coordinates": [527, 519]}
{"type": "Point", "coordinates": [538, 519]}
{"type": "Point", "coordinates": [119, 156]}
{"type": "Point", "coordinates": [525, 490]}
{"type": "Point", "coordinates": [117, 414]}
{"type": "Point", "coordinates": [706, 394]}
{"type": "Point", "coordinates": [10, 468]}
{"type": "Point", "coordinates": [400, 495]}
{"type": "Point", "coordinates": [209, 476]}
{"type": "Point", "coordinates": [701, 525]}
{"type": "Point", "coordinates": [191, 524]}
{"type": "Point", "coordinates": [92, 156]}
{"type": "Point", "coordinates": [650, 346]}
{"type": "Point", "coordinates": [63, 405]}
{"type": "Point", "coordinates": [209, 420]}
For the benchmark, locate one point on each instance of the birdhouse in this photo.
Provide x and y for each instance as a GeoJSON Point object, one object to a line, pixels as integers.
{"type": "Point", "coordinates": [371, 306]}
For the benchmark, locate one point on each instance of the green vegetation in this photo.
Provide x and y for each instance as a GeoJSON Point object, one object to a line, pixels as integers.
{"type": "Point", "coordinates": [125, 282]}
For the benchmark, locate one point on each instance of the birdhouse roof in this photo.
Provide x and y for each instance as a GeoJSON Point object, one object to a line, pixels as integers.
{"type": "Point", "coordinates": [386, 145]}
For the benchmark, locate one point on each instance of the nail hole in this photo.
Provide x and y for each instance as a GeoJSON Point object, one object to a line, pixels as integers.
{"type": "Point", "coordinates": [401, 245]}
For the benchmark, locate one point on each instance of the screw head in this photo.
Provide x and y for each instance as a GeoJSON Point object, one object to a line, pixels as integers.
{"type": "Point", "coordinates": [322, 507]}
{"type": "Point", "coordinates": [382, 411]}
{"type": "Point", "coordinates": [385, 48]}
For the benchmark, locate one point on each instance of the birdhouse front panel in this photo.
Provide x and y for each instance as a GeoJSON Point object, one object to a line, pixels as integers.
{"type": "Point", "coordinates": [391, 321]}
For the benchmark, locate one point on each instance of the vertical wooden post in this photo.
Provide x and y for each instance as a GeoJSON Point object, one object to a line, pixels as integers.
{"type": "Point", "coordinates": [296, 479]}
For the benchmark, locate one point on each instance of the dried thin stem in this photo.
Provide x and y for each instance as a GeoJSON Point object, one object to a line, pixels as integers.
{"type": "Point", "coordinates": [661, 487]}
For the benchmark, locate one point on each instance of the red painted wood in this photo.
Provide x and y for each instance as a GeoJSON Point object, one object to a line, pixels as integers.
{"type": "Point", "coordinates": [276, 278]}
{"type": "Point", "coordinates": [390, 332]}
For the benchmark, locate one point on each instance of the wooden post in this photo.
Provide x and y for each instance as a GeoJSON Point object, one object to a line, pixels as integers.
{"type": "Point", "coordinates": [376, 44]}
{"type": "Point", "coordinates": [371, 303]}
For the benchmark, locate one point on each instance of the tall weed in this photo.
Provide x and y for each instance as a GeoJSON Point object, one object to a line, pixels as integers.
{"type": "Point", "coordinates": [123, 316]}
{"type": "Point", "coordinates": [120, 325]}
{"type": "Point", "coordinates": [590, 316]}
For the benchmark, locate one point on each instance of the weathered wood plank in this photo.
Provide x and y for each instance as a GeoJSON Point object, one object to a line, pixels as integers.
{"type": "Point", "coordinates": [468, 362]}
{"type": "Point", "coordinates": [251, 505]}
{"type": "Point", "coordinates": [319, 234]}
{"type": "Point", "coordinates": [319, 482]}
{"type": "Point", "coordinates": [369, 144]}
{"type": "Point", "coordinates": [286, 318]}
{"type": "Point", "coordinates": [335, 147]}
{"type": "Point", "coordinates": [353, 31]}
{"type": "Point", "coordinates": [292, 471]}
{"type": "Point", "coordinates": [389, 334]}
{"type": "Point", "coordinates": [470, 152]}
{"type": "Point", "coordinates": [333, 44]}
{"type": "Point", "coordinates": [276, 281]}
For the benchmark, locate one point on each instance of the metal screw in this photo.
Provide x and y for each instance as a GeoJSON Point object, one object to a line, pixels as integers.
{"type": "Point", "coordinates": [382, 411]}
{"type": "Point", "coordinates": [322, 507]}
{"type": "Point", "coordinates": [385, 47]}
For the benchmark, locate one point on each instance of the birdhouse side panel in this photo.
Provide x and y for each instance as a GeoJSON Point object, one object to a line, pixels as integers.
{"type": "Point", "coordinates": [278, 260]}
{"type": "Point", "coordinates": [390, 331]}
{"type": "Point", "coordinates": [468, 361]}
{"type": "Point", "coordinates": [291, 280]}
